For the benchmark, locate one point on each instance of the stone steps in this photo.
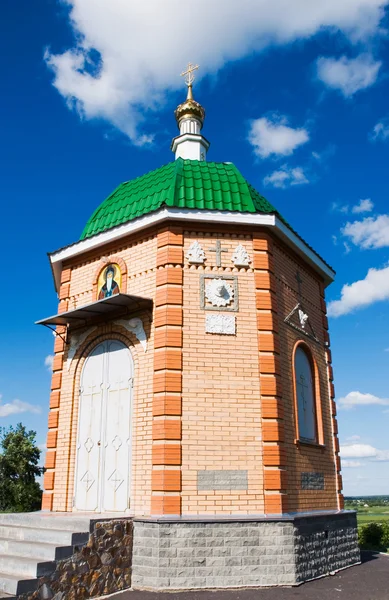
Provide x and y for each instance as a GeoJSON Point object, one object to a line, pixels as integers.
{"type": "Point", "coordinates": [14, 585]}
{"type": "Point", "coordinates": [30, 545]}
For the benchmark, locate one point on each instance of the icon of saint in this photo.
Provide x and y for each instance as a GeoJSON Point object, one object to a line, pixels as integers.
{"type": "Point", "coordinates": [110, 287]}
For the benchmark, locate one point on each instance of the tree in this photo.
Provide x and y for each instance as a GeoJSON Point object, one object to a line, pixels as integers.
{"type": "Point", "coordinates": [19, 458]}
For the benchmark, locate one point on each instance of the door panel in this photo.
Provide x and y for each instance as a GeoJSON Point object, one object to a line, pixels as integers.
{"type": "Point", "coordinates": [117, 432]}
{"type": "Point", "coordinates": [103, 445]}
{"type": "Point", "coordinates": [89, 432]}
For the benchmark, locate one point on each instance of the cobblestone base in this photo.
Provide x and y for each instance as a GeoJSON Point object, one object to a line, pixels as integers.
{"type": "Point", "coordinates": [101, 566]}
{"type": "Point", "coordinates": [187, 555]}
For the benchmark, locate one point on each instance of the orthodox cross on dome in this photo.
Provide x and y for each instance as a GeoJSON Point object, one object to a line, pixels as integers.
{"type": "Point", "coordinates": [218, 249]}
{"type": "Point", "coordinates": [188, 74]}
{"type": "Point", "coordinates": [299, 282]}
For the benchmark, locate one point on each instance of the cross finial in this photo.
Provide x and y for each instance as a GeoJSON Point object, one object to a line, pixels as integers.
{"type": "Point", "coordinates": [188, 74]}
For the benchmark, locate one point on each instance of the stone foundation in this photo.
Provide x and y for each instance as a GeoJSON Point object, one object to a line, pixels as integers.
{"type": "Point", "coordinates": [101, 566]}
{"type": "Point", "coordinates": [187, 554]}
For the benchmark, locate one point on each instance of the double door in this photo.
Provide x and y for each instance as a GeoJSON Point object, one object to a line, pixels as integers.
{"type": "Point", "coordinates": [104, 430]}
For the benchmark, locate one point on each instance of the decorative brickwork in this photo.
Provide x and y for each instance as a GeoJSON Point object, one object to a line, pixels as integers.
{"type": "Point", "coordinates": [167, 386]}
{"type": "Point", "coordinates": [275, 476]}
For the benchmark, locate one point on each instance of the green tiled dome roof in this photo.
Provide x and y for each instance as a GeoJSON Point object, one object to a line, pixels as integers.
{"type": "Point", "coordinates": [181, 184]}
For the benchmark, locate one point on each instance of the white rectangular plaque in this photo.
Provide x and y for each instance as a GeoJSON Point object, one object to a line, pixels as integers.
{"type": "Point", "coordinates": [224, 324]}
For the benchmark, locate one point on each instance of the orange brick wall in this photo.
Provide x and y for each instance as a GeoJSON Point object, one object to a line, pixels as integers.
{"type": "Point", "coordinates": [221, 419]}
{"type": "Point", "coordinates": [302, 457]}
{"type": "Point", "coordinates": [204, 401]}
{"type": "Point", "coordinates": [79, 282]}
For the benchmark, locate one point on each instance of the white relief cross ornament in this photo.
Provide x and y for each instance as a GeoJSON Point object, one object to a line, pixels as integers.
{"type": "Point", "coordinates": [241, 257]}
{"type": "Point", "coordinates": [219, 293]}
{"type": "Point", "coordinates": [196, 254]}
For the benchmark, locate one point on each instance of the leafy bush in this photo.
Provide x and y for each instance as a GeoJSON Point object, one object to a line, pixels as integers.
{"type": "Point", "coordinates": [19, 466]}
{"type": "Point", "coordinates": [374, 536]}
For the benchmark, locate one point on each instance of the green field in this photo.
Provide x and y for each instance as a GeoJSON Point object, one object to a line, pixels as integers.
{"type": "Point", "coordinates": [366, 517]}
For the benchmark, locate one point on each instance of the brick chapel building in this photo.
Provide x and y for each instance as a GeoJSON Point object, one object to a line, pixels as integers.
{"type": "Point", "coordinates": [192, 382]}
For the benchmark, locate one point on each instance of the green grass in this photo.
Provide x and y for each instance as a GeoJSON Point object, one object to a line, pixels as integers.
{"type": "Point", "coordinates": [363, 518]}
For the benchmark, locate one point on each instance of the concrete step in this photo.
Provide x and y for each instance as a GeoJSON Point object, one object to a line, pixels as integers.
{"type": "Point", "coordinates": [39, 550]}
{"type": "Point", "coordinates": [12, 585]}
{"type": "Point", "coordinates": [44, 520]}
{"type": "Point", "coordinates": [61, 537]}
{"type": "Point", "coordinates": [22, 566]}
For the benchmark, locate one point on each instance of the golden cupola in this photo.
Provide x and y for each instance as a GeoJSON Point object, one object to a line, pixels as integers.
{"type": "Point", "coordinates": [190, 115]}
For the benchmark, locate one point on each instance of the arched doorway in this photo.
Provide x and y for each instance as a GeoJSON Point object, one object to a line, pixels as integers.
{"type": "Point", "coordinates": [104, 430]}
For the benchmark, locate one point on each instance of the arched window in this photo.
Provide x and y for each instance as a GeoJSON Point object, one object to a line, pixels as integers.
{"type": "Point", "coordinates": [305, 395]}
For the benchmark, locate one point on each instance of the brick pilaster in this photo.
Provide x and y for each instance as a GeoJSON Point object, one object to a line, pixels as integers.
{"type": "Point", "coordinates": [167, 399]}
{"type": "Point", "coordinates": [331, 391]}
{"type": "Point", "coordinates": [55, 398]}
{"type": "Point", "coordinates": [274, 455]}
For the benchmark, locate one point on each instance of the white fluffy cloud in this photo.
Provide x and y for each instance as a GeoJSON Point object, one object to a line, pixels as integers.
{"type": "Point", "coordinates": [363, 451]}
{"type": "Point", "coordinates": [348, 75]}
{"type": "Point", "coordinates": [127, 53]}
{"type": "Point", "coordinates": [49, 362]}
{"type": "Point", "coordinates": [17, 407]}
{"type": "Point", "coordinates": [273, 136]}
{"type": "Point", "coordinates": [358, 451]}
{"type": "Point", "coordinates": [286, 176]}
{"type": "Point", "coordinates": [363, 206]}
{"type": "Point", "coordinates": [380, 131]}
{"type": "Point", "coordinates": [358, 399]}
{"type": "Point", "coordinates": [362, 293]}
{"type": "Point", "coordinates": [371, 232]}
{"type": "Point", "coordinates": [351, 464]}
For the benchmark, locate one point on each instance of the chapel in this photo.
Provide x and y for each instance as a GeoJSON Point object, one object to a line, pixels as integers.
{"type": "Point", "coordinates": [192, 386]}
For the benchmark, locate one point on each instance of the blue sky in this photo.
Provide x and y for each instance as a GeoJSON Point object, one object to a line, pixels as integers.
{"type": "Point", "coordinates": [296, 95]}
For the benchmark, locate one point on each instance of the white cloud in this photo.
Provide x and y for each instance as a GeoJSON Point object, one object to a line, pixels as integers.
{"type": "Point", "coordinates": [274, 136]}
{"type": "Point", "coordinates": [127, 54]}
{"type": "Point", "coordinates": [351, 464]}
{"type": "Point", "coordinates": [286, 176]}
{"type": "Point", "coordinates": [342, 208]}
{"type": "Point", "coordinates": [363, 451]}
{"type": "Point", "coordinates": [358, 399]}
{"type": "Point", "coordinates": [348, 75]}
{"type": "Point", "coordinates": [49, 362]}
{"type": "Point", "coordinates": [347, 248]}
{"type": "Point", "coordinates": [380, 131]}
{"type": "Point", "coordinates": [358, 451]}
{"type": "Point", "coordinates": [363, 206]}
{"type": "Point", "coordinates": [17, 407]}
{"type": "Point", "coordinates": [370, 233]}
{"type": "Point", "coordinates": [374, 288]}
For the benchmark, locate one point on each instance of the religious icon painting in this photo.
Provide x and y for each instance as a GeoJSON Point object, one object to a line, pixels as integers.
{"type": "Point", "coordinates": [109, 282]}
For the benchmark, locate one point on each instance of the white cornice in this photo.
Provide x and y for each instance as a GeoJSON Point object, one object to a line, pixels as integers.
{"type": "Point", "coordinates": [191, 215]}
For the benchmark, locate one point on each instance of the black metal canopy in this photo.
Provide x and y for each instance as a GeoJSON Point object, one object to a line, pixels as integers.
{"type": "Point", "coordinates": [115, 306]}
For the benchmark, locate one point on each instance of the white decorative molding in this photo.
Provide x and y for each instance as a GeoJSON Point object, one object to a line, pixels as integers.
{"type": "Point", "coordinates": [241, 257]}
{"type": "Point", "coordinates": [303, 318]}
{"type": "Point", "coordinates": [76, 339]}
{"type": "Point", "coordinates": [219, 292]}
{"type": "Point", "coordinates": [217, 323]}
{"type": "Point", "coordinates": [182, 214]}
{"type": "Point", "coordinates": [135, 326]}
{"type": "Point", "coordinates": [196, 254]}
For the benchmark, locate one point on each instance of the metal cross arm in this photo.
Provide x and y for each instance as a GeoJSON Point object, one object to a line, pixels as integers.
{"type": "Point", "coordinates": [188, 74]}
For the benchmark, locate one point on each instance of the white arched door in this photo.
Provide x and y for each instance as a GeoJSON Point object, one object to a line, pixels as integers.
{"type": "Point", "coordinates": [104, 430]}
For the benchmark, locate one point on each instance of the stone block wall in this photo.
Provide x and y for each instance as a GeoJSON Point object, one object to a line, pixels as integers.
{"type": "Point", "coordinates": [187, 555]}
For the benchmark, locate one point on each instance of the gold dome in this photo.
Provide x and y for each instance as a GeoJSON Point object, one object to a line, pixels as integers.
{"type": "Point", "coordinates": [190, 108]}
